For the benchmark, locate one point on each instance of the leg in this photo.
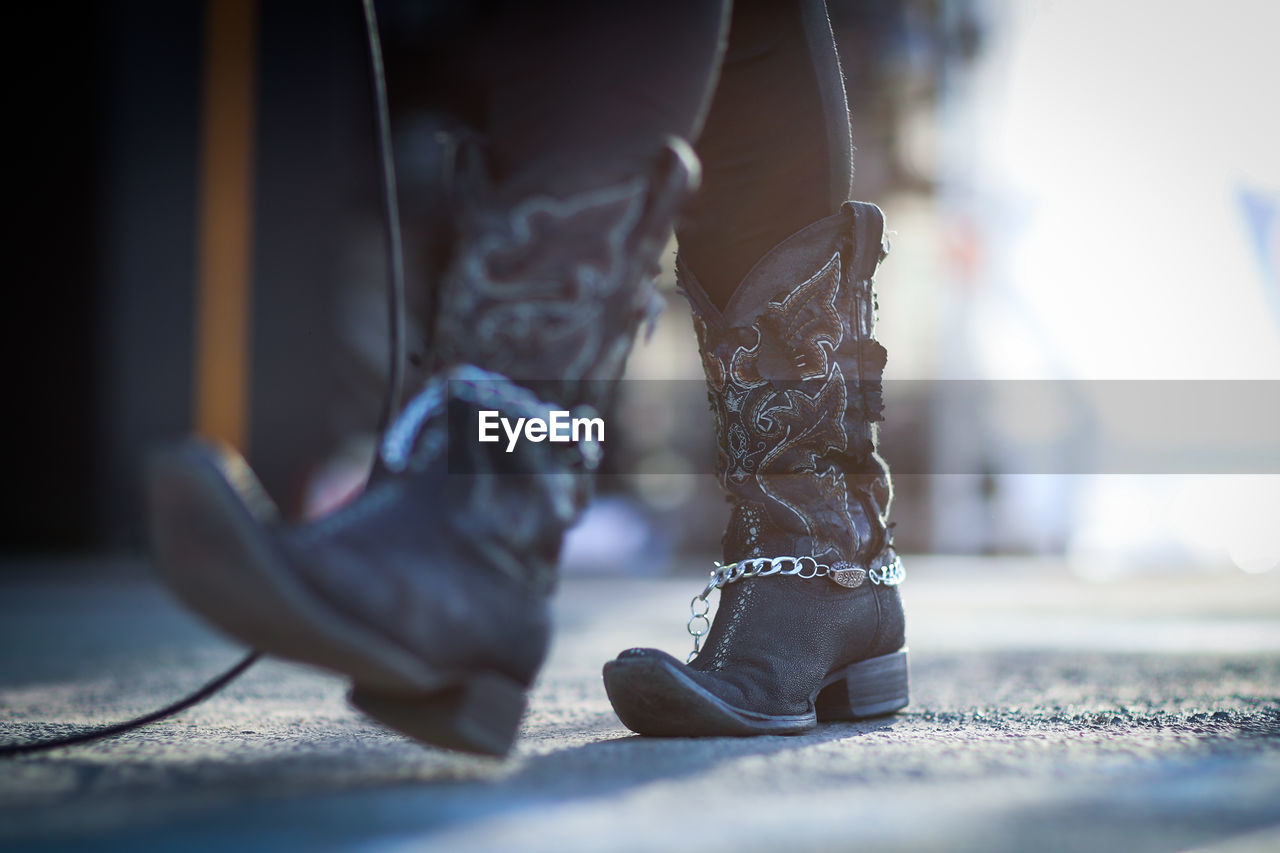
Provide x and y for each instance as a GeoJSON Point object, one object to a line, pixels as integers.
{"type": "Point", "coordinates": [810, 624]}
{"type": "Point", "coordinates": [628, 75]}
{"type": "Point", "coordinates": [776, 150]}
{"type": "Point", "coordinates": [431, 590]}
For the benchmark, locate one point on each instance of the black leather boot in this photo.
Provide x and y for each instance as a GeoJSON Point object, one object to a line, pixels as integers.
{"type": "Point", "coordinates": [430, 591]}
{"type": "Point", "coordinates": [810, 625]}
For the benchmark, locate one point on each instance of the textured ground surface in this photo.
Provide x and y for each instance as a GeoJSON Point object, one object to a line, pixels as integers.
{"type": "Point", "coordinates": [1048, 714]}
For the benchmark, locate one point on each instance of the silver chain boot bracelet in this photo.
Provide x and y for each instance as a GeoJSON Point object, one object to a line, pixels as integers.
{"type": "Point", "coordinates": [840, 573]}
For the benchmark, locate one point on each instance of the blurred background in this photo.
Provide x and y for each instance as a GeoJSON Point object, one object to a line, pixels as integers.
{"type": "Point", "coordinates": [1081, 308]}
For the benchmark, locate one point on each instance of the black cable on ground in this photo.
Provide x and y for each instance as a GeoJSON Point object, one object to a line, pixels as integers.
{"type": "Point", "coordinates": [391, 402]}
{"type": "Point", "coordinates": [119, 728]}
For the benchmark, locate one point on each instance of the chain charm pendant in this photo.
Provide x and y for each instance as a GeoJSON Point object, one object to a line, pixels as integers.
{"type": "Point", "coordinates": [847, 575]}
{"type": "Point", "coordinates": [840, 573]}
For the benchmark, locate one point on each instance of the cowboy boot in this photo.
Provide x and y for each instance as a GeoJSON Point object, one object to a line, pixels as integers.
{"type": "Point", "coordinates": [430, 591]}
{"type": "Point", "coordinates": [810, 625]}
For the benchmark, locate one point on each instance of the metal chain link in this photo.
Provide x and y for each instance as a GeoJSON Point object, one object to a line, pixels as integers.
{"type": "Point", "coordinates": [891, 573]}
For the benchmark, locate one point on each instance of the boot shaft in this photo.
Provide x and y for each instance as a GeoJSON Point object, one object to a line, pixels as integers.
{"type": "Point", "coordinates": [794, 379]}
{"type": "Point", "coordinates": [550, 292]}
{"type": "Point", "coordinates": [536, 315]}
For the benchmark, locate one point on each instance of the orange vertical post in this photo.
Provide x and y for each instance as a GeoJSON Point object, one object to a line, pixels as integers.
{"type": "Point", "coordinates": [225, 240]}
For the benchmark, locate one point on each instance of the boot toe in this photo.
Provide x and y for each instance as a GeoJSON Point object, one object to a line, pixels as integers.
{"type": "Point", "coordinates": [654, 694]}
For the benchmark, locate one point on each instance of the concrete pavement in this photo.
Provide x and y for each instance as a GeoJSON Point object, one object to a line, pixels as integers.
{"type": "Point", "coordinates": [1048, 713]}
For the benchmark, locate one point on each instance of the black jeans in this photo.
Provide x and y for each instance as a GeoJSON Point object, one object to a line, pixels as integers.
{"type": "Point", "coordinates": [578, 93]}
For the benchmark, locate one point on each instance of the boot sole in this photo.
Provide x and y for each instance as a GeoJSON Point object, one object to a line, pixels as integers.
{"type": "Point", "coordinates": [653, 697]}
{"type": "Point", "coordinates": [215, 554]}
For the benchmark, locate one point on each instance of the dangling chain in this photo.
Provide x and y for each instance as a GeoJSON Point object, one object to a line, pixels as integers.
{"type": "Point", "coordinates": [844, 574]}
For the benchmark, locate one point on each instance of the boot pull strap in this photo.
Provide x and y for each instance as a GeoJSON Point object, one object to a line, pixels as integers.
{"type": "Point", "coordinates": [870, 247]}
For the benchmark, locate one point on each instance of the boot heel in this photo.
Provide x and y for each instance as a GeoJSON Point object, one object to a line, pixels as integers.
{"type": "Point", "coordinates": [481, 714]}
{"type": "Point", "coordinates": [868, 688]}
